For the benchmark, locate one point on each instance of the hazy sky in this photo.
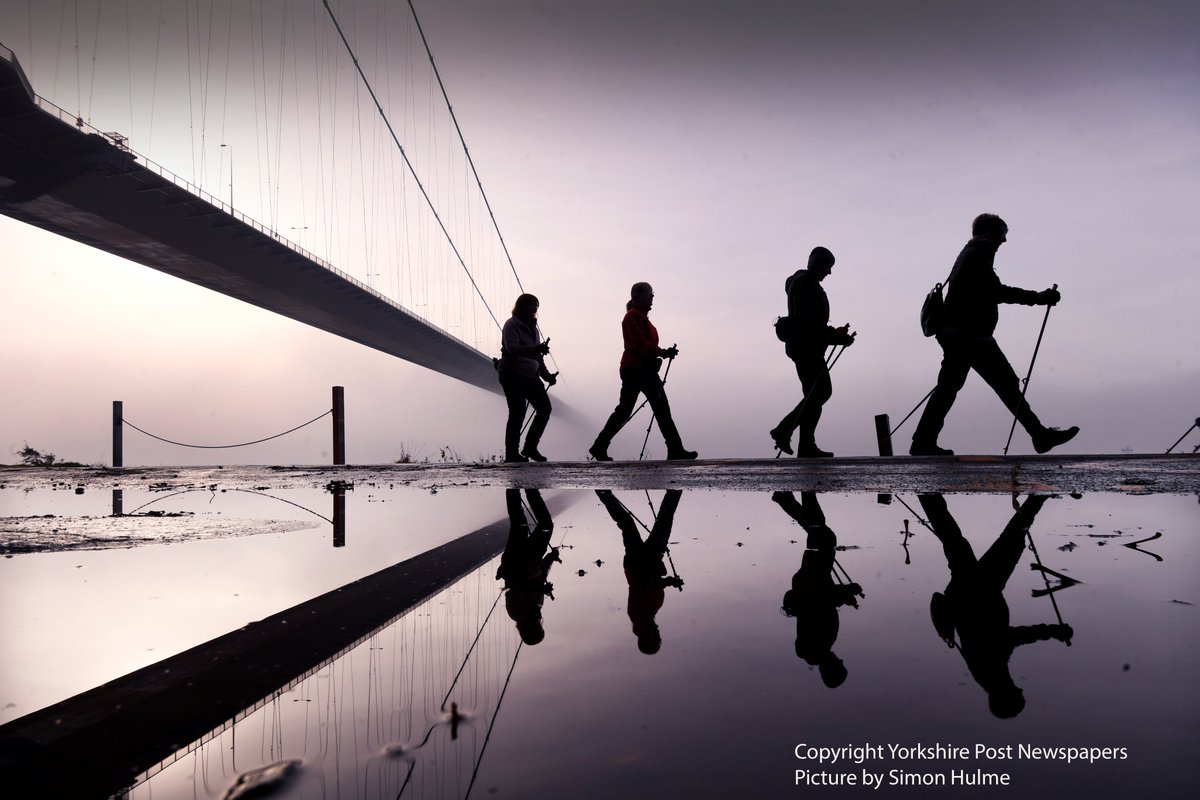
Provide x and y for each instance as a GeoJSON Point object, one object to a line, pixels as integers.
{"type": "Point", "coordinates": [705, 147]}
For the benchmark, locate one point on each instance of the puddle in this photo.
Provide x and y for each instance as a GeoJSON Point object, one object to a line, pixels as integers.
{"type": "Point", "coordinates": [634, 644]}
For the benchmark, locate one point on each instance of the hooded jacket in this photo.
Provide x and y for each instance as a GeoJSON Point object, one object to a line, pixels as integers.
{"type": "Point", "coordinates": [974, 291]}
{"type": "Point", "coordinates": [519, 353]}
{"type": "Point", "coordinates": [808, 310]}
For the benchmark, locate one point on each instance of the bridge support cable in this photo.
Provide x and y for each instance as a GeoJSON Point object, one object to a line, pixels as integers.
{"type": "Point", "coordinates": [408, 163]}
{"type": "Point", "coordinates": [471, 162]}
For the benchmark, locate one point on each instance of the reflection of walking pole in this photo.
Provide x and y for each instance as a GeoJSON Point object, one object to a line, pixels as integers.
{"type": "Point", "coordinates": [1041, 569]}
{"type": "Point", "coordinates": [677, 581]}
{"type": "Point", "coordinates": [1025, 383]}
{"type": "Point", "coordinates": [642, 454]}
{"type": "Point", "coordinates": [1195, 425]}
{"type": "Point", "coordinates": [844, 579]}
{"type": "Point", "coordinates": [920, 519]}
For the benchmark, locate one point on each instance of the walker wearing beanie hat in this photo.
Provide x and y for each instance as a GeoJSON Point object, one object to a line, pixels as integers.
{"type": "Point", "coordinates": [820, 255]}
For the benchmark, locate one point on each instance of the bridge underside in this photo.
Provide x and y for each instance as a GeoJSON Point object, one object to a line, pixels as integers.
{"type": "Point", "coordinates": [81, 185]}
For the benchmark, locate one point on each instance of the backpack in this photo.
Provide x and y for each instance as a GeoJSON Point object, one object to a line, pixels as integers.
{"type": "Point", "coordinates": [941, 612]}
{"type": "Point", "coordinates": [933, 311]}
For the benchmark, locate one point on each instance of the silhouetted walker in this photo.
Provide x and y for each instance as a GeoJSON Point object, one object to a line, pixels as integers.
{"type": "Point", "coordinates": [973, 294]}
{"type": "Point", "coordinates": [807, 335]}
{"type": "Point", "coordinates": [525, 564]}
{"type": "Point", "coordinates": [522, 370]}
{"type": "Point", "coordinates": [973, 605]}
{"type": "Point", "coordinates": [815, 596]}
{"type": "Point", "coordinates": [640, 363]}
{"type": "Point", "coordinates": [645, 569]}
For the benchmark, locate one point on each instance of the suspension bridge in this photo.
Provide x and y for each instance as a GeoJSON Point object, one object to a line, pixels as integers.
{"type": "Point", "coordinates": [61, 174]}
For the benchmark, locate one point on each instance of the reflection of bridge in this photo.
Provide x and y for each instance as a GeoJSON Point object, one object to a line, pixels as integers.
{"type": "Point", "coordinates": [146, 720]}
{"type": "Point", "coordinates": [59, 174]}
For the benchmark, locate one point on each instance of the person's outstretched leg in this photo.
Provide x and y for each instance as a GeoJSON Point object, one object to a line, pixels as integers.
{"type": "Point", "coordinates": [991, 364]}
{"type": "Point", "coordinates": [620, 415]}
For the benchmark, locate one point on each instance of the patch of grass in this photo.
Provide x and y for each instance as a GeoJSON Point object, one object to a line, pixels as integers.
{"type": "Point", "coordinates": [32, 457]}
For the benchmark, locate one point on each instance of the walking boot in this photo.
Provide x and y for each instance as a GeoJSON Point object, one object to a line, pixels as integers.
{"type": "Point", "coordinates": [811, 450]}
{"type": "Point", "coordinates": [531, 452]}
{"type": "Point", "coordinates": [513, 457]}
{"type": "Point", "coordinates": [1049, 438]}
{"type": "Point", "coordinates": [928, 449]}
{"type": "Point", "coordinates": [681, 455]}
{"type": "Point", "coordinates": [599, 452]}
{"type": "Point", "coordinates": [782, 442]}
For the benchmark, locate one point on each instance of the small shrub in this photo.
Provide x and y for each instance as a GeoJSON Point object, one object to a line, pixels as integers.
{"type": "Point", "coordinates": [35, 458]}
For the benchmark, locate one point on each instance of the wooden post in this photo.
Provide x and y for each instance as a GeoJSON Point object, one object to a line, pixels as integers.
{"type": "Point", "coordinates": [118, 502]}
{"type": "Point", "coordinates": [339, 426]}
{"type": "Point", "coordinates": [118, 459]}
{"type": "Point", "coordinates": [883, 434]}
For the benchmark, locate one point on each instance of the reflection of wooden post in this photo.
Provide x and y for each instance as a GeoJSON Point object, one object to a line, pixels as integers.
{"type": "Point", "coordinates": [118, 502]}
{"type": "Point", "coordinates": [883, 434]}
{"type": "Point", "coordinates": [118, 446]}
{"type": "Point", "coordinates": [339, 517]}
{"type": "Point", "coordinates": [339, 425]}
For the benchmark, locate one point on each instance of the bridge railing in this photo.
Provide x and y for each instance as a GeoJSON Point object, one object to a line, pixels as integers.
{"type": "Point", "coordinates": [121, 142]}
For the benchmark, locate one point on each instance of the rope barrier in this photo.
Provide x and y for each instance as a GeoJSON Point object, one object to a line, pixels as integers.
{"type": "Point", "coordinates": [225, 446]}
{"type": "Point", "coordinates": [246, 491]}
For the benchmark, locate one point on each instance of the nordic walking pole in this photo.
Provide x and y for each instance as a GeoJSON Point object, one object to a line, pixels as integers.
{"type": "Point", "coordinates": [834, 355]}
{"type": "Point", "coordinates": [882, 433]}
{"type": "Point", "coordinates": [909, 414]}
{"type": "Point", "coordinates": [530, 417]}
{"type": "Point", "coordinates": [643, 403]}
{"type": "Point", "coordinates": [1028, 375]}
{"type": "Point", "coordinates": [546, 342]}
{"type": "Point", "coordinates": [1195, 425]}
{"type": "Point", "coordinates": [642, 454]}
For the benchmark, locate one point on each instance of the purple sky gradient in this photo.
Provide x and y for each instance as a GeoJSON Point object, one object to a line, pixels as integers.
{"type": "Point", "coordinates": [704, 147]}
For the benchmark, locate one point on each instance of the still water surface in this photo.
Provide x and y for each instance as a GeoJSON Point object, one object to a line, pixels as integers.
{"type": "Point", "coordinates": [635, 644]}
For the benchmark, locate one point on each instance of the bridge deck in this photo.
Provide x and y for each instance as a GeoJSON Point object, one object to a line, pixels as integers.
{"type": "Point", "coordinates": [81, 184]}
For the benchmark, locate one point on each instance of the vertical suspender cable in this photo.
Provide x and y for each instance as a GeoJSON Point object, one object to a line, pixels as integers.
{"type": "Point", "coordinates": [408, 163]}
{"type": "Point", "coordinates": [463, 141]}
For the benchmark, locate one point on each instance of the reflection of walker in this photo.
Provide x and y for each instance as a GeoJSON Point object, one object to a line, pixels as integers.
{"type": "Point", "coordinates": [939, 610]}
{"type": "Point", "coordinates": [674, 580]}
